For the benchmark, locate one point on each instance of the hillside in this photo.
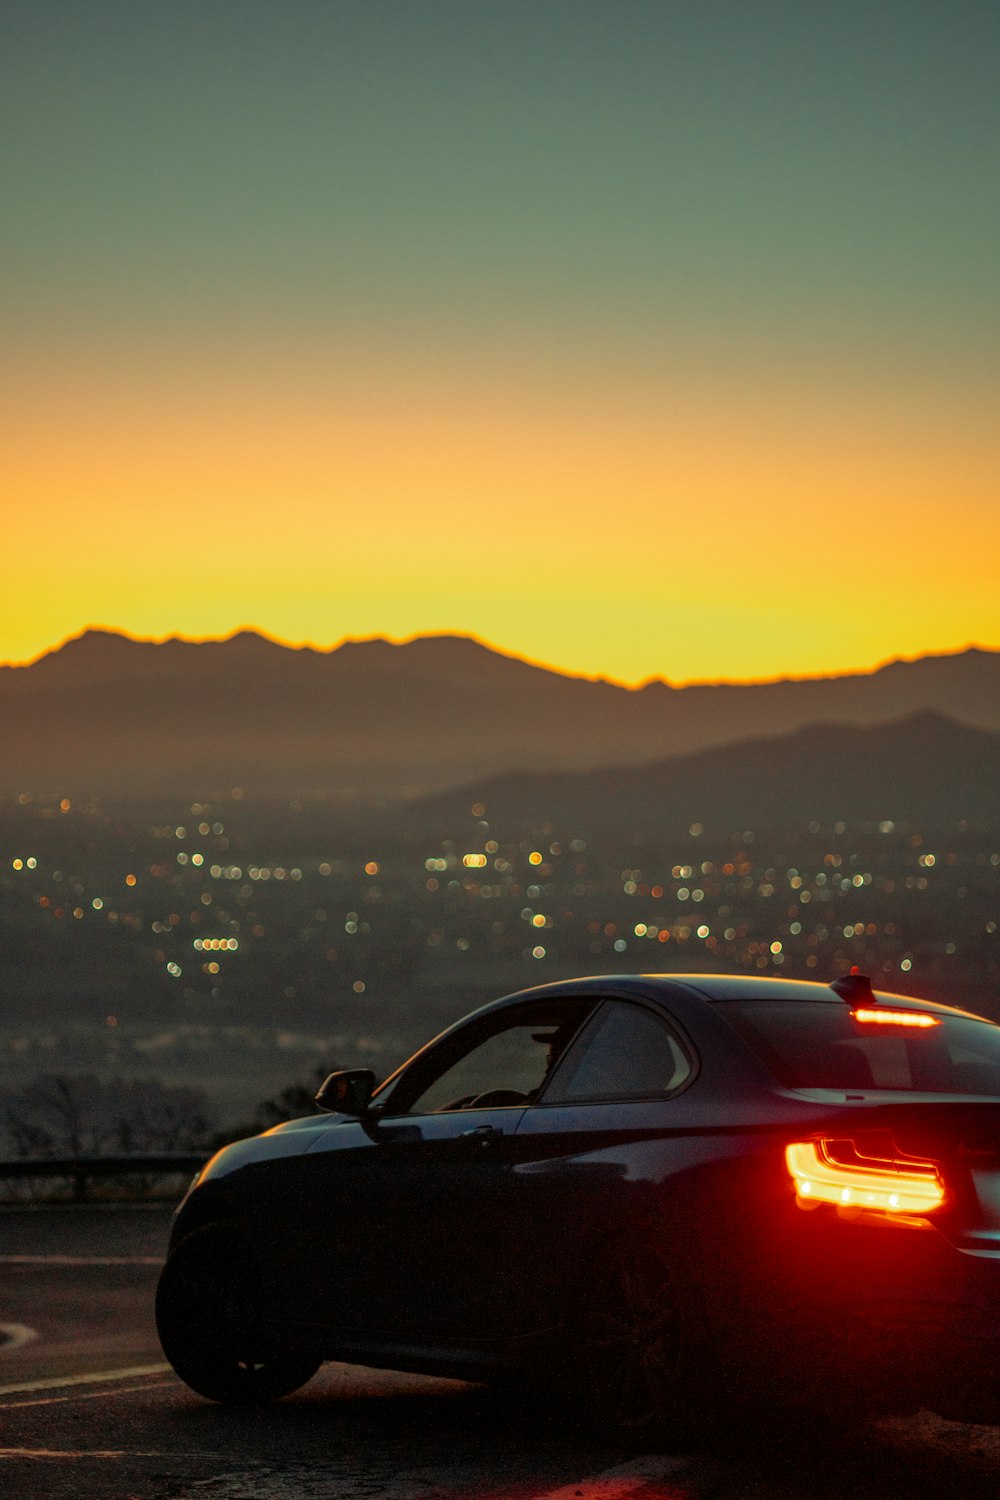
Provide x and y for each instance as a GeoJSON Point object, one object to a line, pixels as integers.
{"type": "Point", "coordinates": [924, 770]}
{"type": "Point", "coordinates": [384, 720]}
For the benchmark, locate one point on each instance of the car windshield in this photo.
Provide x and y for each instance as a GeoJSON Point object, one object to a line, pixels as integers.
{"type": "Point", "coordinates": [817, 1045]}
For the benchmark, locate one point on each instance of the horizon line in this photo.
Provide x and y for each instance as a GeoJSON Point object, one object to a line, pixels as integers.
{"type": "Point", "coordinates": [349, 640]}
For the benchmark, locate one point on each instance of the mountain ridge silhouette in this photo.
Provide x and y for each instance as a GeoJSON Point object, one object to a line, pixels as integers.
{"type": "Point", "coordinates": [923, 770]}
{"type": "Point", "coordinates": [104, 711]}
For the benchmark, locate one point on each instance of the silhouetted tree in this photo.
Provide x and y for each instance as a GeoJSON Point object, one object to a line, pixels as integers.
{"type": "Point", "coordinates": [78, 1114]}
{"type": "Point", "coordinates": [293, 1103]}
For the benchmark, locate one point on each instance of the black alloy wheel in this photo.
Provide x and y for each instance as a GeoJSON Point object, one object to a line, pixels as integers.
{"type": "Point", "coordinates": [209, 1321]}
{"type": "Point", "coordinates": [638, 1349]}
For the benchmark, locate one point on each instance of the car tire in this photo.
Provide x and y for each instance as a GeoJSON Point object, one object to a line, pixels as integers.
{"type": "Point", "coordinates": [208, 1316]}
{"type": "Point", "coordinates": [639, 1349]}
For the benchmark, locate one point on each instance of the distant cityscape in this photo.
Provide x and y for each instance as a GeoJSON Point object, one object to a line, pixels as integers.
{"type": "Point", "coordinates": [132, 932]}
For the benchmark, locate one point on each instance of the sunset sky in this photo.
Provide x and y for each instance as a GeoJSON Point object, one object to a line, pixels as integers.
{"type": "Point", "coordinates": [638, 337]}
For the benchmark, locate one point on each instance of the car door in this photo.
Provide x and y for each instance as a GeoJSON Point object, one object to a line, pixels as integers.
{"type": "Point", "coordinates": [593, 1153]}
{"type": "Point", "coordinates": [410, 1207]}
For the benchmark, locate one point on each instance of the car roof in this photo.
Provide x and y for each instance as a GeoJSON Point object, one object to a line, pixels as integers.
{"type": "Point", "coordinates": [717, 987]}
{"type": "Point", "coordinates": [737, 987]}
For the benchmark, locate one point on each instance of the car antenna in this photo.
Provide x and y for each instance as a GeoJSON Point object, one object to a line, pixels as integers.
{"type": "Point", "coordinates": [855, 988]}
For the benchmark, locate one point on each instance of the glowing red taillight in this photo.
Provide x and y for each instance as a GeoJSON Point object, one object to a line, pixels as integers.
{"type": "Point", "coordinates": [883, 1017]}
{"type": "Point", "coordinates": [836, 1171]}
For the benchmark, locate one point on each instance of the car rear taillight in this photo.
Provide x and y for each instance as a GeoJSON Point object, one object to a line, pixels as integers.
{"type": "Point", "coordinates": [916, 1019]}
{"type": "Point", "coordinates": [840, 1172]}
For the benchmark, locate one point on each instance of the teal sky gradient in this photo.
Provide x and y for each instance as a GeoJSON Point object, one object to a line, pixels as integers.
{"type": "Point", "coordinates": [435, 163]}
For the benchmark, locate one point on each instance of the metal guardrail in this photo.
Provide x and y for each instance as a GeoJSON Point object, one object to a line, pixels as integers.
{"type": "Point", "coordinates": [79, 1170]}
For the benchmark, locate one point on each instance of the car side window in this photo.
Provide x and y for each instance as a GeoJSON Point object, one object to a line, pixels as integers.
{"type": "Point", "coordinates": [626, 1052]}
{"type": "Point", "coordinates": [502, 1060]}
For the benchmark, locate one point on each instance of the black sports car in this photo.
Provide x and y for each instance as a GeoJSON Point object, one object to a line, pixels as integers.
{"type": "Point", "coordinates": [658, 1193]}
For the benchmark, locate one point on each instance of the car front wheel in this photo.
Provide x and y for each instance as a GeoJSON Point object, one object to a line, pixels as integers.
{"type": "Point", "coordinates": [208, 1316]}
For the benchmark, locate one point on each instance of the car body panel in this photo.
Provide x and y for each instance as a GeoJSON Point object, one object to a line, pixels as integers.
{"type": "Point", "coordinates": [463, 1240]}
{"type": "Point", "coordinates": [439, 1181]}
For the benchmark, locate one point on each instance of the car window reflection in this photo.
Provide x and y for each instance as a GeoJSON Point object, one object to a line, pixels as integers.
{"type": "Point", "coordinates": [626, 1052]}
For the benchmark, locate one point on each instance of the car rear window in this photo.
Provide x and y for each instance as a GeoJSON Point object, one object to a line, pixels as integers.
{"type": "Point", "coordinates": [817, 1045]}
{"type": "Point", "coordinates": [625, 1052]}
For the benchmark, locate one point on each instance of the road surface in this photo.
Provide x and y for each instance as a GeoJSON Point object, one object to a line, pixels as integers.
{"type": "Point", "coordinates": [88, 1408]}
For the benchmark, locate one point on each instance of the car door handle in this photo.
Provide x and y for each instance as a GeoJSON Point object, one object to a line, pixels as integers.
{"type": "Point", "coordinates": [481, 1132]}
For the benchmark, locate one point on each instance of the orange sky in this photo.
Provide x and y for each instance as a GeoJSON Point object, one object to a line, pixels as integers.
{"type": "Point", "coordinates": [640, 340]}
{"type": "Point", "coordinates": [688, 528]}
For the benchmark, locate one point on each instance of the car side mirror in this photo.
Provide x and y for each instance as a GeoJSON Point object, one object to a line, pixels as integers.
{"type": "Point", "coordinates": [347, 1092]}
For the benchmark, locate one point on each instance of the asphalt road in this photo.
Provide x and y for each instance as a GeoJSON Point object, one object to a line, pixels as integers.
{"type": "Point", "coordinates": [87, 1408]}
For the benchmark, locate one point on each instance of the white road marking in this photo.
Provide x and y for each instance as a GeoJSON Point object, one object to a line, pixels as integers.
{"type": "Point", "coordinates": [122, 1390]}
{"type": "Point", "coordinates": [81, 1260]}
{"type": "Point", "coordinates": [77, 1453]}
{"type": "Point", "coordinates": [56, 1453]}
{"type": "Point", "coordinates": [100, 1377]}
{"type": "Point", "coordinates": [15, 1335]}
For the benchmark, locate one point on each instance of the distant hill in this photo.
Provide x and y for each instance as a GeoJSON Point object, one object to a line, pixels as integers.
{"type": "Point", "coordinates": [924, 769]}
{"type": "Point", "coordinates": [381, 720]}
